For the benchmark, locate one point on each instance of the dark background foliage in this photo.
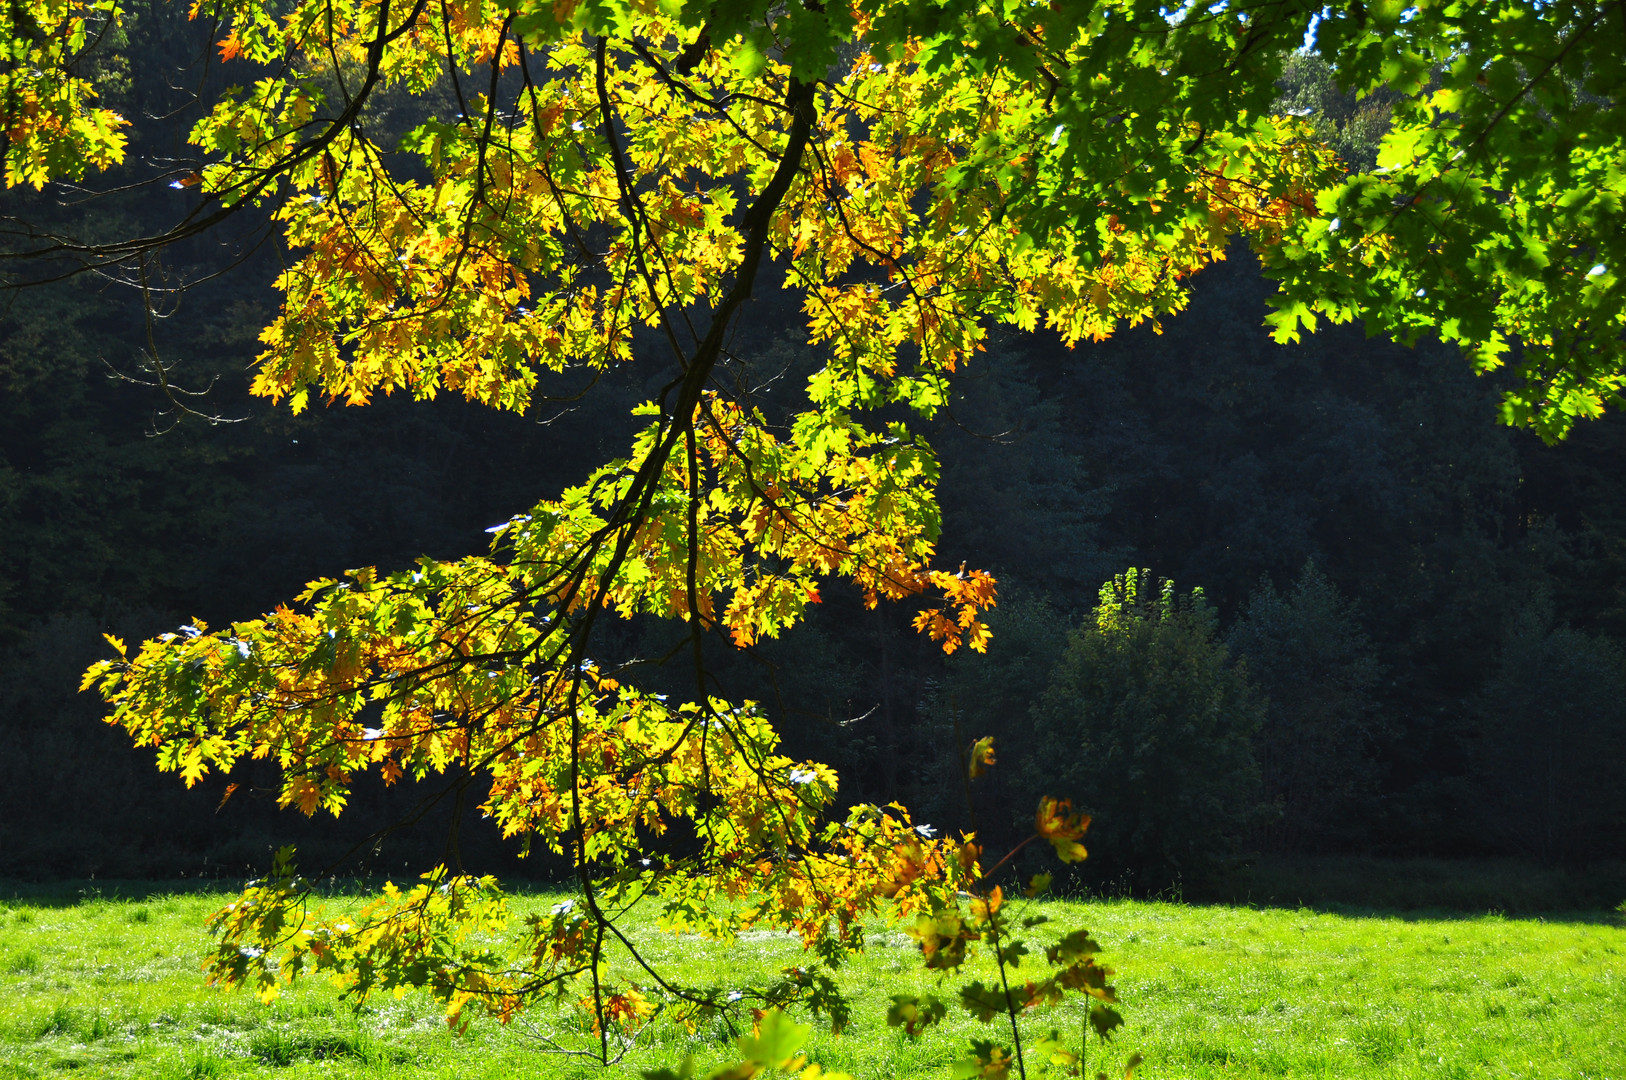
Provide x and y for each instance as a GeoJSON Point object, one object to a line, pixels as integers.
{"type": "Point", "coordinates": [1421, 606]}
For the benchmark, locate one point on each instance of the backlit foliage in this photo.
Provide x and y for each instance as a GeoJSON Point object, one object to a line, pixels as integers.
{"type": "Point", "coordinates": [1495, 216]}
{"type": "Point", "coordinates": [53, 128]}
{"type": "Point", "coordinates": [614, 181]}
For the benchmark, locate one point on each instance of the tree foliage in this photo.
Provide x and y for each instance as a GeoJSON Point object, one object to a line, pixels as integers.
{"type": "Point", "coordinates": [580, 185]}
{"type": "Point", "coordinates": [1307, 654]}
{"type": "Point", "coordinates": [1148, 724]}
{"type": "Point", "coordinates": [1554, 739]}
{"type": "Point", "coordinates": [1494, 215]}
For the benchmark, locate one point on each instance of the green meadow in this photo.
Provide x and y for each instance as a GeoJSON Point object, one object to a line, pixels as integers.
{"type": "Point", "coordinates": [95, 985]}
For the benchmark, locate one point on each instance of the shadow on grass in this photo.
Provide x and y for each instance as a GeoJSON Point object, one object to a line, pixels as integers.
{"type": "Point", "coordinates": [1417, 889]}
{"type": "Point", "coordinates": [1423, 889]}
{"type": "Point", "coordinates": [1413, 889]}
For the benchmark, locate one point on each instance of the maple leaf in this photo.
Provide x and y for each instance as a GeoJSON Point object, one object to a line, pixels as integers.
{"type": "Point", "coordinates": [981, 757]}
{"type": "Point", "coordinates": [915, 1014]}
{"type": "Point", "coordinates": [1057, 822]}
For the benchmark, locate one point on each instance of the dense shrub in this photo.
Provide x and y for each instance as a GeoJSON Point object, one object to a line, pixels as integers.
{"type": "Point", "coordinates": [1148, 724]}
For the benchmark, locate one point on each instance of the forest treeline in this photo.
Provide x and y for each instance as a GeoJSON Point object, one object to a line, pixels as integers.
{"type": "Point", "coordinates": [1406, 638]}
{"type": "Point", "coordinates": [1345, 609]}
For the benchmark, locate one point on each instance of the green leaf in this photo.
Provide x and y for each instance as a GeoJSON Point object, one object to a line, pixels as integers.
{"type": "Point", "coordinates": [685, 1071]}
{"type": "Point", "coordinates": [915, 1014]}
{"type": "Point", "coordinates": [749, 59]}
{"type": "Point", "coordinates": [983, 1002]}
{"type": "Point", "coordinates": [1072, 948]}
{"type": "Point", "coordinates": [1104, 1018]}
{"type": "Point", "coordinates": [776, 1041]}
{"type": "Point", "coordinates": [1054, 1049]}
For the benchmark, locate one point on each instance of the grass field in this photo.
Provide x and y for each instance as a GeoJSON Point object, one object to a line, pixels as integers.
{"type": "Point", "coordinates": [95, 985]}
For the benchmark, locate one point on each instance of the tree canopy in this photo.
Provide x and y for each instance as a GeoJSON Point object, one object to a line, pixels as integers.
{"type": "Point", "coordinates": [504, 201]}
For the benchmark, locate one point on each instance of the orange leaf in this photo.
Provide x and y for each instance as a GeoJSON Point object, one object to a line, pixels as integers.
{"type": "Point", "coordinates": [1057, 822]}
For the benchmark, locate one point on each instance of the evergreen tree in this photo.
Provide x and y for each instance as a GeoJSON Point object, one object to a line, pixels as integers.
{"type": "Point", "coordinates": [1307, 653]}
{"type": "Point", "coordinates": [1551, 760]}
{"type": "Point", "coordinates": [1148, 724]}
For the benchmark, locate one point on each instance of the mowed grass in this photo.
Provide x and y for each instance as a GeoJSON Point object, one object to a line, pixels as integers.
{"type": "Point", "coordinates": [111, 988]}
